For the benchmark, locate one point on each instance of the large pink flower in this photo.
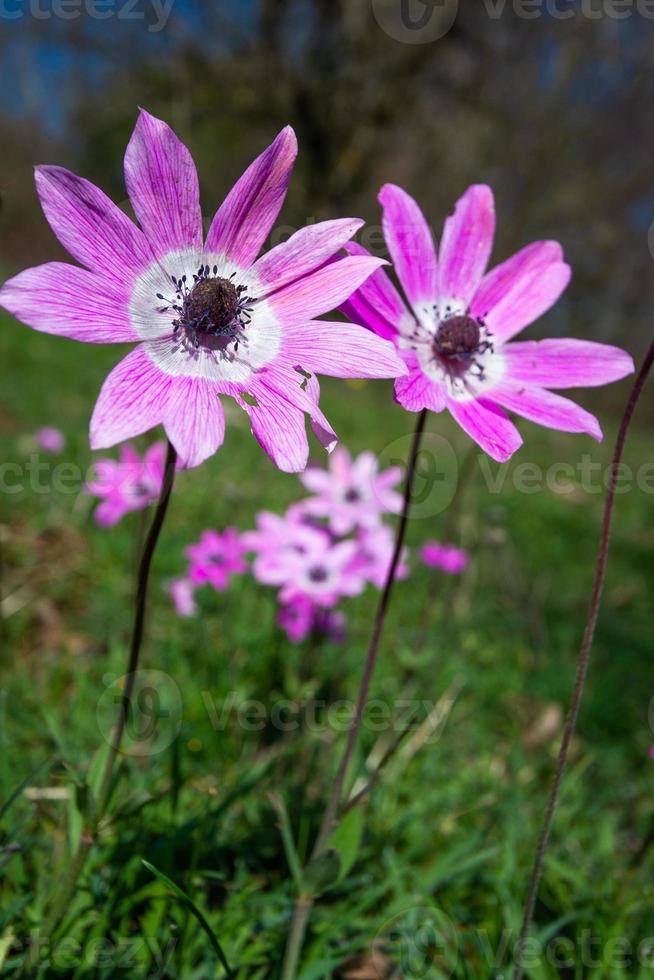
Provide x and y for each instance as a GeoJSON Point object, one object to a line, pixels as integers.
{"type": "Point", "coordinates": [454, 333]}
{"type": "Point", "coordinates": [210, 318]}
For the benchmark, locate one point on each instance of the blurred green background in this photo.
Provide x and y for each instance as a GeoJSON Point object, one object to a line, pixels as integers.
{"type": "Point", "coordinates": [555, 113]}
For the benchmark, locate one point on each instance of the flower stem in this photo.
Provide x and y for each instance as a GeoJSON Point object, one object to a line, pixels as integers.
{"type": "Point", "coordinates": [582, 663]}
{"type": "Point", "coordinates": [304, 903]}
{"type": "Point", "coordinates": [88, 836]}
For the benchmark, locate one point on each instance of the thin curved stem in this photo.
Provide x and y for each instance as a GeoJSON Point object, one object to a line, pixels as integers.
{"type": "Point", "coordinates": [305, 902]}
{"type": "Point", "coordinates": [582, 663]}
{"type": "Point", "coordinates": [88, 836]}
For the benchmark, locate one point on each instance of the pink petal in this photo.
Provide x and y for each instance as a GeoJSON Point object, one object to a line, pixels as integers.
{"type": "Point", "coordinates": [280, 429]}
{"type": "Point", "coordinates": [162, 183]}
{"type": "Point", "coordinates": [411, 245]}
{"type": "Point", "coordinates": [323, 290]}
{"type": "Point", "coordinates": [61, 299]}
{"type": "Point", "coordinates": [376, 304]}
{"type": "Point", "coordinates": [416, 391]}
{"type": "Point", "coordinates": [488, 426]}
{"type": "Point", "coordinates": [90, 226]}
{"type": "Point", "coordinates": [545, 408]}
{"type": "Point", "coordinates": [466, 244]}
{"type": "Point", "coordinates": [566, 363]}
{"type": "Point", "coordinates": [194, 419]}
{"type": "Point", "coordinates": [133, 399]}
{"type": "Point", "coordinates": [304, 251]}
{"type": "Point", "coordinates": [282, 381]}
{"type": "Point", "coordinates": [341, 350]}
{"type": "Point", "coordinates": [501, 280]}
{"type": "Point", "coordinates": [243, 221]}
{"type": "Point", "coordinates": [531, 293]}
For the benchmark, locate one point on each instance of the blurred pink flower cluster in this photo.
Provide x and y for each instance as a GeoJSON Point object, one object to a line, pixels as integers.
{"type": "Point", "coordinates": [327, 547]}
{"type": "Point", "coordinates": [330, 545]}
{"type": "Point", "coordinates": [211, 561]}
{"type": "Point", "coordinates": [129, 483]}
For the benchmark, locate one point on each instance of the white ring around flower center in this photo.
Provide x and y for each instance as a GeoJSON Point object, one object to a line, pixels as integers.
{"type": "Point", "coordinates": [261, 341]}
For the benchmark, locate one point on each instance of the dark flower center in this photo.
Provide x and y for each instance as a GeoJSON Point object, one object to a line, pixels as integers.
{"type": "Point", "coordinates": [458, 336]}
{"type": "Point", "coordinates": [318, 573]}
{"type": "Point", "coordinates": [210, 312]}
{"type": "Point", "coordinates": [352, 496]}
{"type": "Point", "coordinates": [215, 303]}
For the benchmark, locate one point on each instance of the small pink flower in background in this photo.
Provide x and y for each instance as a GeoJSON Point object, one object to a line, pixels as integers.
{"type": "Point", "coordinates": [296, 618]}
{"type": "Point", "coordinates": [279, 538]}
{"type": "Point", "coordinates": [322, 572]}
{"type": "Point", "coordinates": [300, 617]}
{"type": "Point", "coordinates": [215, 558]}
{"type": "Point", "coordinates": [454, 332]}
{"type": "Point", "coordinates": [375, 553]}
{"type": "Point", "coordinates": [129, 483]}
{"type": "Point", "coordinates": [182, 593]}
{"type": "Point", "coordinates": [208, 316]}
{"type": "Point", "coordinates": [352, 493]}
{"type": "Point", "coordinates": [50, 440]}
{"type": "Point", "coordinates": [308, 564]}
{"type": "Point", "coordinates": [651, 752]}
{"type": "Point", "coordinates": [446, 557]}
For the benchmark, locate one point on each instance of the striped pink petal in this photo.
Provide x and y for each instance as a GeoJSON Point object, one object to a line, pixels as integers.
{"type": "Point", "coordinates": [323, 290]}
{"type": "Point", "coordinates": [244, 220]}
{"type": "Point", "coordinates": [90, 226]}
{"type": "Point", "coordinates": [466, 245]}
{"type": "Point", "coordinates": [488, 427]}
{"type": "Point", "coordinates": [566, 363]}
{"type": "Point", "coordinates": [416, 391]}
{"type": "Point", "coordinates": [194, 419]}
{"type": "Point", "coordinates": [304, 252]}
{"type": "Point", "coordinates": [62, 299]}
{"type": "Point", "coordinates": [531, 293]}
{"type": "Point", "coordinates": [279, 428]}
{"type": "Point", "coordinates": [376, 304]}
{"type": "Point", "coordinates": [341, 350]}
{"type": "Point", "coordinates": [162, 183]}
{"type": "Point", "coordinates": [411, 245]}
{"type": "Point", "coordinates": [544, 407]}
{"type": "Point", "coordinates": [133, 399]}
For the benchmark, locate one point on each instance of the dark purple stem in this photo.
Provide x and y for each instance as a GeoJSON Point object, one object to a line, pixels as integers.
{"type": "Point", "coordinates": [304, 903]}
{"type": "Point", "coordinates": [582, 663]}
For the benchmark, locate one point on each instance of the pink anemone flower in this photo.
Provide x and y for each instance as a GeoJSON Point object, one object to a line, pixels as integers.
{"type": "Point", "coordinates": [126, 484]}
{"type": "Point", "coordinates": [215, 558]}
{"type": "Point", "coordinates": [208, 316]}
{"type": "Point", "coordinates": [454, 332]}
{"type": "Point", "coordinates": [182, 594]}
{"type": "Point", "coordinates": [352, 493]}
{"type": "Point", "coordinates": [446, 557]}
{"type": "Point", "coordinates": [375, 551]}
{"type": "Point", "coordinates": [50, 440]}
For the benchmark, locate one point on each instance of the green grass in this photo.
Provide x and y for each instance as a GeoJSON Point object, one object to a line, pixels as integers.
{"type": "Point", "coordinates": [450, 827]}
